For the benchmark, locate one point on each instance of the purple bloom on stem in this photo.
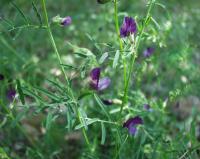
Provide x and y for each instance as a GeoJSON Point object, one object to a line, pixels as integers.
{"type": "Point", "coordinates": [131, 124]}
{"type": "Point", "coordinates": [128, 27]}
{"type": "Point", "coordinates": [11, 93]}
{"type": "Point", "coordinates": [1, 77]}
{"type": "Point", "coordinates": [97, 83]}
{"type": "Point", "coordinates": [66, 21]}
{"type": "Point", "coordinates": [148, 52]}
{"type": "Point", "coordinates": [147, 107]}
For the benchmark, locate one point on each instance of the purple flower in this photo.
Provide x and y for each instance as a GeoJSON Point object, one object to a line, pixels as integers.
{"type": "Point", "coordinates": [148, 52]}
{"type": "Point", "coordinates": [147, 107]}
{"type": "Point", "coordinates": [11, 93]}
{"type": "Point", "coordinates": [1, 77]}
{"type": "Point", "coordinates": [97, 83]}
{"type": "Point", "coordinates": [66, 21]}
{"type": "Point", "coordinates": [131, 124]}
{"type": "Point", "coordinates": [128, 27]}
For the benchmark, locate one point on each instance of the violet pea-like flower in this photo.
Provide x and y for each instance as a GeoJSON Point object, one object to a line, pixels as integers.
{"type": "Point", "coordinates": [128, 27]}
{"type": "Point", "coordinates": [66, 21]}
{"type": "Point", "coordinates": [148, 52]}
{"type": "Point", "coordinates": [131, 124]}
{"type": "Point", "coordinates": [147, 107]}
{"type": "Point", "coordinates": [11, 93]}
{"type": "Point", "coordinates": [98, 83]}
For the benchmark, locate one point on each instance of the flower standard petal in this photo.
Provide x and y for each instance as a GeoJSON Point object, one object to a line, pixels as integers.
{"type": "Point", "coordinates": [66, 21]}
{"type": "Point", "coordinates": [128, 27]}
{"type": "Point", "coordinates": [103, 83]}
{"type": "Point", "coordinates": [148, 52]}
{"type": "Point", "coordinates": [131, 124]}
{"type": "Point", "coordinates": [95, 75]}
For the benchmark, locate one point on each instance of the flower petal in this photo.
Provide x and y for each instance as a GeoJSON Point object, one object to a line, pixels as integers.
{"type": "Point", "coordinates": [11, 94]}
{"type": "Point", "coordinates": [103, 83]}
{"type": "Point", "coordinates": [95, 75]}
{"type": "Point", "coordinates": [132, 130]}
{"type": "Point", "coordinates": [148, 52]}
{"type": "Point", "coordinates": [133, 121]}
{"type": "Point", "coordinates": [128, 27]}
{"type": "Point", "coordinates": [66, 21]}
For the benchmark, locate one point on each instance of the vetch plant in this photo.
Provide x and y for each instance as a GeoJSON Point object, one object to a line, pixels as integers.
{"type": "Point", "coordinates": [106, 96]}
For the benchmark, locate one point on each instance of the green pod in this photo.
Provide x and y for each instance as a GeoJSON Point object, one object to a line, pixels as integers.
{"type": "Point", "coordinates": [103, 1]}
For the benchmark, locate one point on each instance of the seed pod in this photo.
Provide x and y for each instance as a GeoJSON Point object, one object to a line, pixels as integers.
{"type": "Point", "coordinates": [103, 1]}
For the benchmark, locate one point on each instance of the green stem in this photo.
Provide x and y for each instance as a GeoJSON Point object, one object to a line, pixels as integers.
{"type": "Point", "coordinates": [62, 68]}
{"type": "Point", "coordinates": [119, 39]}
{"type": "Point", "coordinates": [135, 54]}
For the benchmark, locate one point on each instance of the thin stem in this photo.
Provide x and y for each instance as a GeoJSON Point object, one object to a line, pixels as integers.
{"type": "Point", "coordinates": [135, 54]}
{"type": "Point", "coordinates": [119, 39]}
{"type": "Point", "coordinates": [62, 68]}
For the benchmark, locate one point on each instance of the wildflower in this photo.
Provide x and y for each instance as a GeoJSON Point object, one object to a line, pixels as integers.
{"type": "Point", "coordinates": [128, 27]}
{"type": "Point", "coordinates": [97, 83]}
{"type": "Point", "coordinates": [103, 1]}
{"type": "Point", "coordinates": [131, 124]}
{"type": "Point", "coordinates": [148, 52]}
{"type": "Point", "coordinates": [11, 93]}
{"type": "Point", "coordinates": [66, 21]}
{"type": "Point", "coordinates": [1, 77]}
{"type": "Point", "coordinates": [62, 21]}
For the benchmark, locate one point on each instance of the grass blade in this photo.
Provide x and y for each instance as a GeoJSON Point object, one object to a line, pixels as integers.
{"type": "Point", "coordinates": [21, 94]}
{"type": "Point", "coordinates": [21, 12]}
{"type": "Point", "coordinates": [103, 133]}
{"type": "Point", "coordinates": [37, 13]}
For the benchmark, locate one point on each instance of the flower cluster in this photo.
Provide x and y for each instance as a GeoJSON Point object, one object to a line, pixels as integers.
{"type": "Point", "coordinates": [128, 27]}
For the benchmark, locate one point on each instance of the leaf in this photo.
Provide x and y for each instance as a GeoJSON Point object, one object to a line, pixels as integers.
{"type": "Point", "coordinates": [88, 122]}
{"type": "Point", "coordinates": [50, 118]}
{"type": "Point", "coordinates": [69, 66]}
{"type": "Point", "coordinates": [83, 52]}
{"type": "Point", "coordinates": [83, 117]}
{"type": "Point", "coordinates": [103, 133]}
{"type": "Point", "coordinates": [37, 13]}
{"type": "Point", "coordinates": [32, 94]}
{"type": "Point", "coordinates": [102, 106]}
{"type": "Point", "coordinates": [103, 57]}
{"type": "Point", "coordinates": [3, 154]}
{"type": "Point", "coordinates": [19, 116]}
{"type": "Point", "coordinates": [20, 11]}
{"type": "Point", "coordinates": [116, 59]}
{"type": "Point", "coordinates": [84, 94]}
{"type": "Point", "coordinates": [21, 94]}
{"type": "Point", "coordinates": [48, 94]}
